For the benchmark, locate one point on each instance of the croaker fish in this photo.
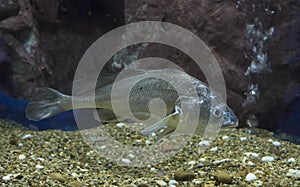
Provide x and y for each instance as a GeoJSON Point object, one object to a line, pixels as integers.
{"type": "Point", "coordinates": [47, 102]}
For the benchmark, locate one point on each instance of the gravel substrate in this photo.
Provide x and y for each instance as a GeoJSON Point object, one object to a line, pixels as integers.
{"type": "Point", "coordinates": [57, 158]}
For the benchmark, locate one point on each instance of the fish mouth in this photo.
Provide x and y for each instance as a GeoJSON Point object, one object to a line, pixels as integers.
{"type": "Point", "coordinates": [231, 125]}
{"type": "Point", "coordinates": [230, 120]}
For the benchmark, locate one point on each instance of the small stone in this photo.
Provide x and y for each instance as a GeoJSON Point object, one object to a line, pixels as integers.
{"type": "Point", "coordinates": [74, 175]}
{"type": "Point", "coordinates": [222, 177]}
{"type": "Point", "coordinates": [250, 177]}
{"type": "Point", "coordinates": [204, 143]}
{"type": "Point", "coordinates": [254, 155]}
{"type": "Point", "coordinates": [214, 149]}
{"type": "Point", "coordinates": [192, 163]}
{"type": "Point", "coordinates": [161, 183]}
{"type": "Point", "coordinates": [131, 156]}
{"type": "Point", "coordinates": [293, 173]}
{"type": "Point", "coordinates": [103, 147]}
{"type": "Point", "coordinates": [83, 170]}
{"type": "Point", "coordinates": [291, 160]}
{"type": "Point", "coordinates": [22, 157]}
{"type": "Point", "coordinates": [57, 176]}
{"type": "Point", "coordinates": [153, 134]}
{"type": "Point", "coordinates": [6, 178]}
{"type": "Point", "coordinates": [277, 143]}
{"type": "Point", "coordinates": [120, 125]}
{"type": "Point", "coordinates": [225, 137]}
{"type": "Point", "coordinates": [250, 163]}
{"type": "Point", "coordinates": [147, 142]}
{"type": "Point", "coordinates": [41, 159]}
{"type": "Point", "coordinates": [216, 162]}
{"type": "Point", "coordinates": [25, 137]}
{"type": "Point", "coordinates": [184, 176]}
{"type": "Point", "coordinates": [202, 160]}
{"type": "Point", "coordinates": [172, 182]}
{"type": "Point", "coordinates": [267, 159]}
{"type": "Point", "coordinates": [152, 169]}
{"type": "Point", "coordinates": [243, 138]}
{"type": "Point", "coordinates": [126, 161]}
{"type": "Point", "coordinates": [39, 167]}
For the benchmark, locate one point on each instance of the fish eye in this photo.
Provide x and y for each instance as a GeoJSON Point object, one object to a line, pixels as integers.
{"type": "Point", "coordinates": [217, 112]}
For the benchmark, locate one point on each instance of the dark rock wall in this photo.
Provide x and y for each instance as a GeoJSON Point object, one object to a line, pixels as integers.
{"type": "Point", "coordinates": [45, 39]}
{"type": "Point", "coordinates": [222, 25]}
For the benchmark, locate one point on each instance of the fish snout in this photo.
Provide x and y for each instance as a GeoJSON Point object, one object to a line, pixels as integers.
{"type": "Point", "coordinates": [230, 120]}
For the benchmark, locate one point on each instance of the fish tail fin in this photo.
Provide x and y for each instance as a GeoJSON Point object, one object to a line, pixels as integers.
{"type": "Point", "coordinates": [47, 102]}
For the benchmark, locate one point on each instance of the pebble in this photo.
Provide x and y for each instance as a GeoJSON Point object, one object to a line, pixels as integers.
{"type": "Point", "coordinates": [74, 175]}
{"type": "Point", "coordinates": [147, 142]}
{"type": "Point", "coordinates": [250, 177]}
{"type": "Point", "coordinates": [152, 169]}
{"type": "Point", "coordinates": [267, 159]}
{"type": "Point", "coordinates": [243, 138]}
{"type": "Point", "coordinates": [222, 177]}
{"type": "Point", "coordinates": [254, 155]}
{"type": "Point", "coordinates": [39, 167]}
{"type": "Point", "coordinates": [22, 157]}
{"type": "Point", "coordinates": [25, 137]}
{"type": "Point", "coordinates": [214, 149]}
{"type": "Point", "coordinates": [120, 125]}
{"type": "Point", "coordinates": [250, 163]}
{"type": "Point", "coordinates": [202, 160]}
{"type": "Point", "coordinates": [172, 182]}
{"type": "Point", "coordinates": [204, 143]}
{"type": "Point", "coordinates": [103, 147]}
{"type": "Point", "coordinates": [131, 156]}
{"type": "Point", "coordinates": [291, 160]}
{"type": "Point", "coordinates": [40, 159]}
{"type": "Point", "coordinates": [225, 137]}
{"type": "Point", "coordinates": [277, 143]}
{"type": "Point", "coordinates": [126, 161]}
{"type": "Point", "coordinates": [57, 176]}
{"type": "Point", "coordinates": [184, 176]}
{"type": "Point", "coordinates": [191, 163]}
{"type": "Point", "coordinates": [161, 183]}
{"type": "Point", "coordinates": [216, 162]}
{"type": "Point", "coordinates": [6, 178]}
{"type": "Point", "coordinates": [293, 173]}
{"type": "Point", "coordinates": [153, 134]}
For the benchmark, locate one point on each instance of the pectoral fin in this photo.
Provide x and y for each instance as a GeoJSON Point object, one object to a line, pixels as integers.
{"type": "Point", "coordinates": [167, 121]}
{"type": "Point", "coordinates": [170, 122]}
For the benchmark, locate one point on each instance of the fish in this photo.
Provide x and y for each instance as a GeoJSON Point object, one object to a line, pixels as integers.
{"type": "Point", "coordinates": [47, 102]}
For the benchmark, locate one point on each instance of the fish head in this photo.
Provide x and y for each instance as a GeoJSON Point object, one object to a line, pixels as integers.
{"type": "Point", "coordinates": [230, 119]}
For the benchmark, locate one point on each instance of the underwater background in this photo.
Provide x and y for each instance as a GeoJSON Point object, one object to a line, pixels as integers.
{"type": "Point", "coordinates": [256, 43]}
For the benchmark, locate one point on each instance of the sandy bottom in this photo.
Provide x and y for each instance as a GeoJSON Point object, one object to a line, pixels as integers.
{"type": "Point", "coordinates": [57, 158]}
